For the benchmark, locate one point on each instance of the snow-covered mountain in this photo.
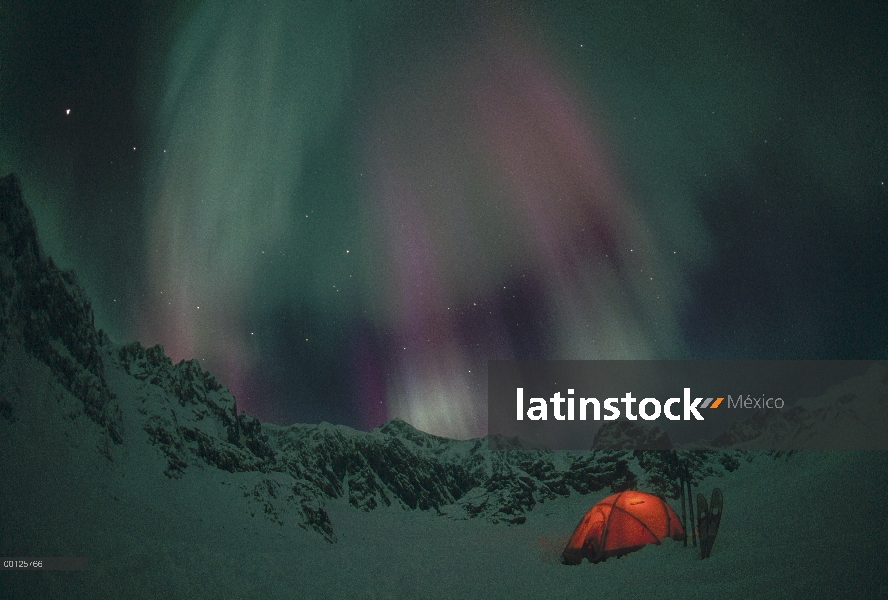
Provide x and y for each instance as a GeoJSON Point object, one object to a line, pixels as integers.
{"type": "Point", "coordinates": [114, 453]}
{"type": "Point", "coordinates": [140, 402]}
{"type": "Point", "coordinates": [43, 310]}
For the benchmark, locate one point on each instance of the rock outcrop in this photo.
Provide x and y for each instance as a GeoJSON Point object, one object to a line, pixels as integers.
{"type": "Point", "coordinates": [43, 308]}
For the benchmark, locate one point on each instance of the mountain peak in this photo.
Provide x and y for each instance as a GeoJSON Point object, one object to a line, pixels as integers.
{"type": "Point", "coordinates": [404, 430]}
{"type": "Point", "coordinates": [18, 229]}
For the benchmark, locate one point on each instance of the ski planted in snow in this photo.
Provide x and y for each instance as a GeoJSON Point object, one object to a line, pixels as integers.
{"type": "Point", "coordinates": [709, 518]}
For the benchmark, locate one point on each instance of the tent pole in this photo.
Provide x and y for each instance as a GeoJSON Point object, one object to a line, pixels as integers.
{"type": "Point", "coordinates": [681, 487]}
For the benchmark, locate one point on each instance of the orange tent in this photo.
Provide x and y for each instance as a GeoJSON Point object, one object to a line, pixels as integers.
{"type": "Point", "coordinates": [620, 524]}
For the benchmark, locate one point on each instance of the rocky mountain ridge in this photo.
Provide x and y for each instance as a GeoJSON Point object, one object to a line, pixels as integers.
{"type": "Point", "coordinates": [141, 402]}
{"type": "Point", "coordinates": [190, 418]}
{"type": "Point", "coordinates": [187, 416]}
{"type": "Point", "coordinates": [43, 309]}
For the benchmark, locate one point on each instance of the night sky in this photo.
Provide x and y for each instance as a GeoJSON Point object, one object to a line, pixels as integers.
{"type": "Point", "coordinates": [344, 209]}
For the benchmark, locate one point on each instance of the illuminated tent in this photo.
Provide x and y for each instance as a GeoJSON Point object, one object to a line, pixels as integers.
{"type": "Point", "coordinates": [620, 524]}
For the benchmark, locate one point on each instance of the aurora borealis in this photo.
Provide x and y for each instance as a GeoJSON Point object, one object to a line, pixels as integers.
{"type": "Point", "coordinates": [344, 209]}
